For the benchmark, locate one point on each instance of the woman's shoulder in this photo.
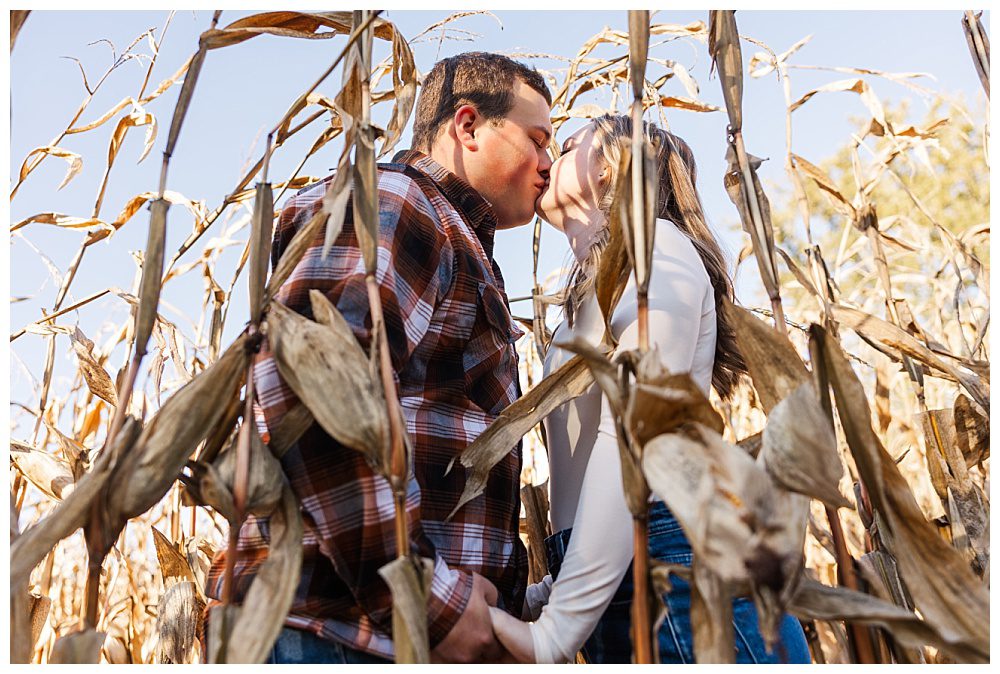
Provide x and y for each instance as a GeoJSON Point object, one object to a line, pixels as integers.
{"type": "Point", "coordinates": [676, 257]}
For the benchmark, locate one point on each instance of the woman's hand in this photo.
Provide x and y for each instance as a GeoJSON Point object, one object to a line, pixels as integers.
{"type": "Point", "coordinates": [513, 635]}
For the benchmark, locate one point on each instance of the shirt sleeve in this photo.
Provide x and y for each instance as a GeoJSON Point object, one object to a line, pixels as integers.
{"type": "Point", "coordinates": [600, 547]}
{"type": "Point", "coordinates": [348, 505]}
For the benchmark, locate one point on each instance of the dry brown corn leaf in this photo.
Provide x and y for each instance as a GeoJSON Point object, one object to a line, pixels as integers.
{"type": "Point", "coordinates": [62, 220]}
{"type": "Point", "coordinates": [17, 18]}
{"type": "Point", "coordinates": [37, 541]}
{"type": "Point", "coordinates": [775, 365]}
{"type": "Point", "coordinates": [409, 581]}
{"type": "Point", "coordinates": [260, 248]}
{"type": "Point", "coordinates": [315, 360]}
{"type": "Point", "coordinates": [975, 36]}
{"type": "Point", "coordinates": [897, 339]}
{"type": "Point", "coordinates": [152, 273]}
{"type": "Point", "coordinates": [173, 565]}
{"type": "Point", "coordinates": [662, 402]}
{"type": "Point", "coordinates": [612, 274]}
{"type": "Point", "coordinates": [53, 476]}
{"type": "Point", "coordinates": [78, 648]}
{"type": "Point", "coordinates": [815, 601]}
{"type": "Point", "coordinates": [683, 103]}
{"type": "Point", "coordinates": [404, 87]}
{"type": "Point", "coordinates": [857, 86]}
{"type": "Point", "coordinates": [945, 590]}
{"type": "Point", "coordinates": [972, 431]}
{"type": "Point", "coordinates": [568, 382]}
{"type": "Point", "coordinates": [638, 48]}
{"type": "Point", "coordinates": [711, 617]}
{"type": "Point", "coordinates": [98, 380]}
{"type": "Point", "coordinates": [214, 484]}
{"type": "Point", "coordinates": [799, 448]}
{"type": "Point", "coordinates": [605, 373]}
{"type": "Point", "coordinates": [840, 202]}
{"type": "Point", "coordinates": [286, 433]}
{"type": "Point", "coordinates": [336, 197]}
{"type": "Point", "coordinates": [177, 624]}
{"type": "Point", "coordinates": [256, 624]}
{"type": "Point", "coordinates": [288, 24]}
{"type": "Point", "coordinates": [148, 469]}
{"type": "Point", "coordinates": [302, 241]}
{"type": "Point", "coordinates": [743, 194]}
{"type": "Point", "coordinates": [74, 160]}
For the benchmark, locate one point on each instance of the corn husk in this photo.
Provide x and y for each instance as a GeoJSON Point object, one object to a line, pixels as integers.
{"type": "Point", "coordinates": [409, 581]}
{"type": "Point", "coordinates": [799, 448]}
{"type": "Point", "coordinates": [152, 271]}
{"type": "Point", "coordinates": [178, 620]}
{"type": "Point", "coordinates": [743, 527]}
{"type": "Point", "coordinates": [53, 476]}
{"type": "Point", "coordinates": [260, 248]}
{"type": "Point", "coordinates": [78, 648]}
{"type": "Point", "coordinates": [314, 359]}
{"type": "Point", "coordinates": [246, 633]}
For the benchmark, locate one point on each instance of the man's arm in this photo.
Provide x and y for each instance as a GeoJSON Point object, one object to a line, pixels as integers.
{"type": "Point", "coordinates": [350, 505]}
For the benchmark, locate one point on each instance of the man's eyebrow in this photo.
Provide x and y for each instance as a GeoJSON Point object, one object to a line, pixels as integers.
{"type": "Point", "coordinates": [545, 132]}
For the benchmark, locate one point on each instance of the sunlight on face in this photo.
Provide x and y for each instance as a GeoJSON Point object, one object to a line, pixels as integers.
{"type": "Point", "coordinates": [576, 181]}
{"type": "Point", "coordinates": [511, 166]}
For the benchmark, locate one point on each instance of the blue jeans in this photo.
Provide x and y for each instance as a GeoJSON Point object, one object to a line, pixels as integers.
{"type": "Point", "coordinates": [298, 647]}
{"type": "Point", "coordinates": [610, 641]}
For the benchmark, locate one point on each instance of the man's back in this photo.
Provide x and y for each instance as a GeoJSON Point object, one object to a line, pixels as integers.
{"type": "Point", "coordinates": [450, 339]}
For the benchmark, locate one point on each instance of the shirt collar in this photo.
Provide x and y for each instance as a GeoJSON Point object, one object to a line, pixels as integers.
{"type": "Point", "coordinates": [471, 204]}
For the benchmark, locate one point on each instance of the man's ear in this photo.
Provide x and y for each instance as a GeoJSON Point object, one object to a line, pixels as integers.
{"type": "Point", "coordinates": [466, 122]}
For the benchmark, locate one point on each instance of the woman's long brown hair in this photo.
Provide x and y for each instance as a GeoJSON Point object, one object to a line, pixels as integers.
{"type": "Point", "coordinates": [678, 202]}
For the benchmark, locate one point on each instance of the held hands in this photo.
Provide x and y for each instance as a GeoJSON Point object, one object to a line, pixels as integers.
{"type": "Point", "coordinates": [514, 636]}
{"type": "Point", "coordinates": [472, 638]}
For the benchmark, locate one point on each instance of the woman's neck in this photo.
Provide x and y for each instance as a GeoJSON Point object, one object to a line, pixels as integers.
{"type": "Point", "coordinates": [581, 232]}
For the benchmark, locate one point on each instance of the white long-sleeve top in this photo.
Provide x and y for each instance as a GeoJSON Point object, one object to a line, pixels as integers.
{"type": "Point", "coordinates": [585, 481]}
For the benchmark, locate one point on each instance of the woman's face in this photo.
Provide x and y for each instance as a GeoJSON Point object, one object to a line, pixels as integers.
{"type": "Point", "coordinates": [576, 181]}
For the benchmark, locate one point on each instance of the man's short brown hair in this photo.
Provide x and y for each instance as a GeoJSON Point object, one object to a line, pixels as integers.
{"type": "Point", "coordinates": [481, 79]}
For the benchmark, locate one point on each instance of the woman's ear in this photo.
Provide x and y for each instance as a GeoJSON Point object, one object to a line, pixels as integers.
{"type": "Point", "coordinates": [466, 121]}
{"type": "Point", "coordinates": [604, 176]}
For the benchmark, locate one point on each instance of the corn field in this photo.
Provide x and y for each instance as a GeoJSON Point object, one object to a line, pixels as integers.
{"type": "Point", "coordinates": [847, 483]}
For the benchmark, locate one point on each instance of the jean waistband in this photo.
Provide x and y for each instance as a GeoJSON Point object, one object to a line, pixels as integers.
{"type": "Point", "coordinates": [661, 522]}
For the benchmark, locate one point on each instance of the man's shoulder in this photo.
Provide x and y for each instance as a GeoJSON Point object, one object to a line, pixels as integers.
{"type": "Point", "coordinates": [396, 179]}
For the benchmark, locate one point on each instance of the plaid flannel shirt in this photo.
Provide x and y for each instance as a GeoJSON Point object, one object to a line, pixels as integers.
{"type": "Point", "coordinates": [451, 340]}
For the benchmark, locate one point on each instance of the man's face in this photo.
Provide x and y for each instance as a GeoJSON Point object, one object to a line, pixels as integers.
{"type": "Point", "coordinates": [511, 164]}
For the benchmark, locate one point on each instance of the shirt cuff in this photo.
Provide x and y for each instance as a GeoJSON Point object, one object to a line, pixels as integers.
{"type": "Point", "coordinates": [450, 592]}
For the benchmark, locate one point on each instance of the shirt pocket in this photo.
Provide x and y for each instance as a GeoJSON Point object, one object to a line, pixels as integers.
{"type": "Point", "coordinates": [490, 359]}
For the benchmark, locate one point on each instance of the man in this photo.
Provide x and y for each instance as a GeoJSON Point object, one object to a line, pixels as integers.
{"type": "Point", "coordinates": [479, 164]}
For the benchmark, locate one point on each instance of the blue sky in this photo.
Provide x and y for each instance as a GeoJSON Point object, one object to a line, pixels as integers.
{"type": "Point", "coordinates": [243, 90]}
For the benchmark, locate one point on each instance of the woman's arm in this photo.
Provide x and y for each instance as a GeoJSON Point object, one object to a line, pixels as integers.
{"type": "Point", "coordinates": [600, 548]}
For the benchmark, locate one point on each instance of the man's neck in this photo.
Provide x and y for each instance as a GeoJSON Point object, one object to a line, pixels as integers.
{"type": "Point", "coordinates": [449, 157]}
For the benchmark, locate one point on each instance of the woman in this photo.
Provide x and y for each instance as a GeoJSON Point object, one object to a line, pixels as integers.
{"type": "Point", "coordinates": [588, 604]}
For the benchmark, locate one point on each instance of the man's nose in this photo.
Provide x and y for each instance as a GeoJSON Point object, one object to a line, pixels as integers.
{"type": "Point", "coordinates": [545, 164]}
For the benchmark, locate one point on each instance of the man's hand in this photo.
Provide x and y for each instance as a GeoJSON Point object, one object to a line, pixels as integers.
{"type": "Point", "coordinates": [472, 638]}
